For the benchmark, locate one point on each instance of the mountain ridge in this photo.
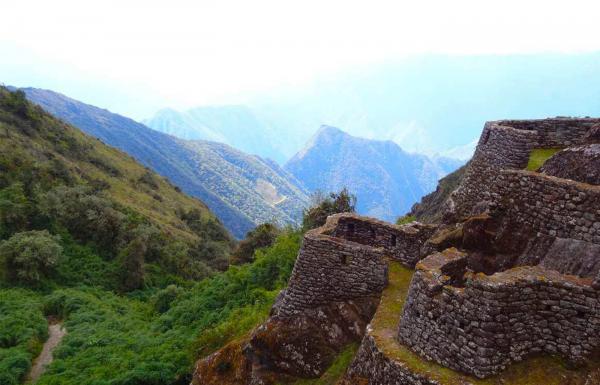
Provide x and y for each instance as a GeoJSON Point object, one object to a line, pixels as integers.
{"type": "Point", "coordinates": [180, 161]}
{"type": "Point", "coordinates": [386, 179]}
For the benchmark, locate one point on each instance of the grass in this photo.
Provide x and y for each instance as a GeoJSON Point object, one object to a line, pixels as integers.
{"type": "Point", "coordinates": [406, 219]}
{"type": "Point", "coordinates": [336, 370]}
{"type": "Point", "coordinates": [539, 156]}
{"type": "Point", "coordinates": [544, 369]}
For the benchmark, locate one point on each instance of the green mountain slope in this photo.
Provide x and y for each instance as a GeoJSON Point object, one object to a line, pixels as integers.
{"type": "Point", "coordinates": [93, 240]}
{"type": "Point", "coordinates": [52, 174]}
{"type": "Point", "coordinates": [240, 199]}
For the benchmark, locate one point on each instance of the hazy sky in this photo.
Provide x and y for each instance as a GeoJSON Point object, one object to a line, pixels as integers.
{"type": "Point", "coordinates": [134, 57]}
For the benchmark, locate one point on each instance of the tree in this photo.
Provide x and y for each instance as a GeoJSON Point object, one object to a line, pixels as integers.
{"type": "Point", "coordinates": [323, 207]}
{"type": "Point", "coordinates": [261, 236]}
{"type": "Point", "coordinates": [30, 256]}
{"type": "Point", "coordinates": [14, 209]}
{"type": "Point", "coordinates": [131, 260]}
{"type": "Point", "coordinates": [88, 216]}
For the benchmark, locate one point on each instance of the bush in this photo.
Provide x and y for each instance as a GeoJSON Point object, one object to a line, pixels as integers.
{"type": "Point", "coordinates": [323, 207]}
{"type": "Point", "coordinates": [262, 236]}
{"type": "Point", "coordinates": [163, 298]}
{"type": "Point", "coordinates": [405, 219]}
{"type": "Point", "coordinates": [30, 256]}
{"type": "Point", "coordinates": [14, 209]}
{"type": "Point", "coordinates": [22, 330]}
{"type": "Point", "coordinates": [87, 216]}
{"type": "Point", "coordinates": [131, 260]}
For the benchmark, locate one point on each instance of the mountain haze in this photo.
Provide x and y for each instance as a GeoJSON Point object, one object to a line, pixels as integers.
{"type": "Point", "coordinates": [386, 180]}
{"type": "Point", "coordinates": [235, 125]}
{"type": "Point", "coordinates": [255, 192]}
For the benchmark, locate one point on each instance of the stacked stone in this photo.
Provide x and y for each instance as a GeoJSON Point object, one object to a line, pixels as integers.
{"type": "Point", "coordinates": [371, 364]}
{"type": "Point", "coordinates": [507, 145]}
{"type": "Point", "coordinates": [495, 320]}
{"type": "Point", "coordinates": [331, 270]}
{"type": "Point", "coordinates": [346, 259]}
{"type": "Point", "coordinates": [579, 163]}
{"type": "Point", "coordinates": [402, 243]}
{"type": "Point", "coordinates": [548, 205]}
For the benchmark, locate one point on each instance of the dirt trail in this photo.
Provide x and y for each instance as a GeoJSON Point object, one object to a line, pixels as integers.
{"type": "Point", "coordinates": [56, 332]}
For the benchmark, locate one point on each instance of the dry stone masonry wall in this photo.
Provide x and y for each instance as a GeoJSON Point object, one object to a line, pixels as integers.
{"type": "Point", "coordinates": [495, 320]}
{"type": "Point", "coordinates": [507, 145]}
{"type": "Point", "coordinates": [346, 259]}
{"type": "Point", "coordinates": [405, 243]}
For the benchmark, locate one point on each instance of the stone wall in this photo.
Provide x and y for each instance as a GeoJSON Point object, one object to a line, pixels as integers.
{"type": "Point", "coordinates": [507, 145]}
{"type": "Point", "coordinates": [329, 270]}
{"type": "Point", "coordinates": [479, 324]}
{"type": "Point", "coordinates": [402, 243]}
{"type": "Point", "coordinates": [372, 366]}
{"type": "Point", "coordinates": [346, 259]}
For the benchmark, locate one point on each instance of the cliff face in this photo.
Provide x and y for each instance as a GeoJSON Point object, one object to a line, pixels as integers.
{"type": "Point", "coordinates": [503, 291]}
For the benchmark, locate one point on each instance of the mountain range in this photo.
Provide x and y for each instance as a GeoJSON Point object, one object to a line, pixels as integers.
{"type": "Point", "coordinates": [431, 104]}
{"type": "Point", "coordinates": [386, 180]}
{"type": "Point", "coordinates": [242, 190]}
{"type": "Point", "coordinates": [235, 125]}
{"type": "Point", "coordinates": [245, 190]}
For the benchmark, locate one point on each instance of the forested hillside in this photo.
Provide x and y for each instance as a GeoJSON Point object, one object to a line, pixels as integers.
{"type": "Point", "coordinates": [93, 240]}
{"type": "Point", "coordinates": [257, 192]}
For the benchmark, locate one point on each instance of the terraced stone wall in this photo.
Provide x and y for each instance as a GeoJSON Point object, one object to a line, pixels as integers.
{"type": "Point", "coordinates": [479, 324]}
{"type": "Point", "coordinates": [507, 145]}
{"type": "Point", "coordinates": [346, 259]}
{"type": "Point", "coordinates": [402, 243]}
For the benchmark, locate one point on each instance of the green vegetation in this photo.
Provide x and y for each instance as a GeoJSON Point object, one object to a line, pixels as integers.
{"type": "Point", "coordinates": [261, 236]}
{"type": "Point", "coordinates": [137, 272]}
{"type": "Point", "coordinates": [23, 328]}
{"type": "Point", "coordinates": [155, 339]}
{"type": "Point", "coordinates": [323, 206]}
{"type": "Point", "coordinates": [539, 156]}
{"type": "Point", "coordinates": [29, 256]}
{"type": "Point", "coordinates": [55, 179]}
{"type": "Point", "coordinates": [406, 219]}
{"type": "Point", "coordinates": [336, 370]}
{"type": "Point", "coordinates": [128, 263]}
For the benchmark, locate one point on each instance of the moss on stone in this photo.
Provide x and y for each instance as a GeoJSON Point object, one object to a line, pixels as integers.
{"type": "Point", "coordinates": [545, 369]}
{"type": "Point", "coordinates": [539, 156]}
{"type": "Point", "coordinates": [336, 370]}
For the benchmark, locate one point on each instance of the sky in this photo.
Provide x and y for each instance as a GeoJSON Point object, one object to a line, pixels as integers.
{"type": "Point", "coordinates": [135, 57]}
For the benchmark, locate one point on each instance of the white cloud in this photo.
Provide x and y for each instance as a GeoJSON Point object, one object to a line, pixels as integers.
{"type": "Point", "coordinates": [193, 52]}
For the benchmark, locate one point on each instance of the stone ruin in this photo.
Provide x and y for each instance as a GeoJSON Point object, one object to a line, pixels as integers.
{"type": "Point", "coordinates": [513, 271]}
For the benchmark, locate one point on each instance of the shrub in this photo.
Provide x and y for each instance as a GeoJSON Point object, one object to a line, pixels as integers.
{"type": "Point", "coordinates": [131, 260]}
{"type": "Point", "coordinates": [88, 216]}
{"type": "Point", "coordinates": [147, 178]}
{"type": "Point", "coordinates": [163, 298]}
{"type": "Point", "coordinates": [30, 256]}
{"type": "Point", "coordinates": [323, 207]}
{"type": "Point", "coordinates": [262, 236]}
{"type": "Point", "coordinates": [405, 219]}
{"type": "Point", "coordinates": [14, 209]}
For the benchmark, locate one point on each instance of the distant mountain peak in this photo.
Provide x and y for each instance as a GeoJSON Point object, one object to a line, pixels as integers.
{"type": "Point", "coordinates": [329, 130]}
{"type": "Point", "coordinates": [386, 179]}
